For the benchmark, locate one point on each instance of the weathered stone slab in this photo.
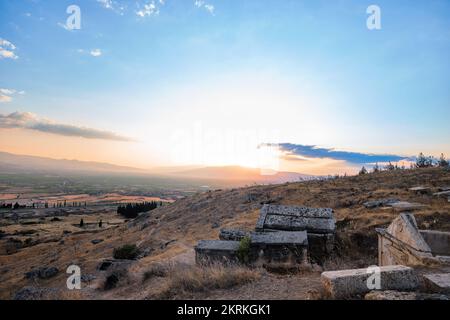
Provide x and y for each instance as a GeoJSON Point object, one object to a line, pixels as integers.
{"type": "Point", "coordinates": [294, 223]}
{"type": "Point", "coordinates": [298, 211]}
{"type": "Point", "coordinates": [398, 295]}
{"type": "Point", "coordinates": [232, 234]}
{"type": "Point", "coordinates": [379, 203]}
{"type": "Point", "coordinates": [279, 238]}
{"type": "Point", "coordinates": [404, 228]}
{"type": "Point", "coordinates": [217, 245]}
{"type": "Point", "coordinates": [350, 283]}
{"type": "Point", "coordinates": [437, 283]}
{"type": "Point", "coordinates": [443, 194]}
{"type": "Point", "coordinates": [420, 190]}
{"type": "Point", "coordinates": [291, 218]}
{"type": "Point", "coordinates": [406, 206]}
{"type": "Point", "coordinates": [208, 251]}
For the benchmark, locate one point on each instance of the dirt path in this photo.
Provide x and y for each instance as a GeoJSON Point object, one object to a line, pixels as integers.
{"type": "Point", "coordinates": [270, 287]}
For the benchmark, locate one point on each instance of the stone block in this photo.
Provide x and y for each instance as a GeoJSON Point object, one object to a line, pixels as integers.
{"type": "Point", "coordinates": [437, 283]}
{"type": "Point", "coordinates": [208, 251]}
{"type": "Point", "coordinates": [350, 283]}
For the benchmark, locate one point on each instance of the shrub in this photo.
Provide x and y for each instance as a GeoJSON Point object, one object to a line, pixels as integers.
{"type": "Point", "coordinates": [126, 252]}
{"type": "Point", "coordinates": [156, 270]}
{"type": "Point", "coordinates": [243, 252]}
{"type": "Point", "coordinates": [363, 171]}
{"type": "Point", "coordinates": [443, 163]}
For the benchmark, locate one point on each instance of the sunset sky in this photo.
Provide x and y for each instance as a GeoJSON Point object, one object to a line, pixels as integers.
{"type": "Point", "coordinates": [218, 82]}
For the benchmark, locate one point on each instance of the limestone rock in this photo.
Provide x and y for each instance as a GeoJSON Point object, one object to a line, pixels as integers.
{"type": "Point", "coordinates": [232, 235]}
{"type": "Point", "coordinates": [350, 283]}
{"type": "Point", "coordinates": [42, 273]}
{"type": "Point", "coordinates": [437, 283]}
{"type": "Point", "coordinates": [398, 295]}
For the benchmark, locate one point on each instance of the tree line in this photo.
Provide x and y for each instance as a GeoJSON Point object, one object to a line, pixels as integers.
{"type": "Point", "coordinates": [132, 210]}
{"type": "Point", "coordinates": [422, 161]}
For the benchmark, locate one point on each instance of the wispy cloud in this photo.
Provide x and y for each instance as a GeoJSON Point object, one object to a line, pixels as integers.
{"type": "Point", "coordinates": [203, 4]}
{"type": "Point", "coordinates": [149, 9]}
{"type": "Point", "coordinates": [303, 152]}
{"type": "Point", "coordinates": [7, 50]}
{"type": "Point", "coordinates": [116, 6]}
{"type": "Point", "coordinates": [96, 52]}
{"type": "Point", "coordinates": [6, 94]}
{"type": "Point", "coordinates": [27, 120]}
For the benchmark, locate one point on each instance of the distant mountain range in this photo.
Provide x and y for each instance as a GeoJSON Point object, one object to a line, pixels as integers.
{"type": "Point", "coordinates": [237, 173]}
{"type": "Point", "coordinates": [12, 163]}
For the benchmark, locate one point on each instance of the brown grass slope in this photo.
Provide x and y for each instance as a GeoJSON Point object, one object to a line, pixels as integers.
{"type": "Point", "coordinates": [169, 234]}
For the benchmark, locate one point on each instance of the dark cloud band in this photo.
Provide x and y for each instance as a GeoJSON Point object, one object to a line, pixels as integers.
{"type": "Point", "coordinates": [309, 151]}
{"type": "Point", "coordinates": [26, 120]}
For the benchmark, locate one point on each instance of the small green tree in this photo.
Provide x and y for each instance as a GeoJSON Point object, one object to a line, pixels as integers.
{"type": "Point", "coordinates": [126, 252]}
{"type": "Point", "coordinates": [376, 168]}
{"type": "Point", "coordinates": [243, 252]}
{"type": "Point", "coordinates": [390, 167]}
{"type": "Point", "coordinates": [424, 162]}
{"type": "Point", "coordinates": [81, 223]}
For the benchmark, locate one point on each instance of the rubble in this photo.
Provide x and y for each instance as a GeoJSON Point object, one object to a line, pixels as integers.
{"type": "Point", "coordinates": [403, 243]}
{"type": "Point", "coordinates": [350, 283]}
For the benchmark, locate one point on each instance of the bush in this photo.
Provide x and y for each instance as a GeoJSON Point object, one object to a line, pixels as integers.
{"type": "Point", "coordinates": [127, 252]}
{"type": "Point", "coordinates": [243, 252]}
{"type": "Point", "coordinates": [157, 270]}
{"type": "Point", "coordinates": [363, 171]}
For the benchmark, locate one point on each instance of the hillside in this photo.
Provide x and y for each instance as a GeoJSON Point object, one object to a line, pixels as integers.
{"type": "Point", "coordinates": [169, 234]}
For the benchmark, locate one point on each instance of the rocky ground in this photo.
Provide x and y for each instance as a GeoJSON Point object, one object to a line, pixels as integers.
{"type": "Point", "coordinates": [165, 267]}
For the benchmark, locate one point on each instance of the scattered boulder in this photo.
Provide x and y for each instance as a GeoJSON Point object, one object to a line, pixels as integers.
{"type": "Point", "coordinates": [350, 283]}
{"type": "Point", "coordinates": [96, 241]}
{"type": "Point", "coordinates": [42, 273]}
{"type": "Point", "coordinates": [33, 293]}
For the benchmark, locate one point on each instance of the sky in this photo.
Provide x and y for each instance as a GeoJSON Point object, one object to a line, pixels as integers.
{"type": "Point", "coordinates": [299, 85]}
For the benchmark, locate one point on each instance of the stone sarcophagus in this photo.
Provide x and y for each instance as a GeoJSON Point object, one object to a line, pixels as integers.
{"type": "Point", "coordinates": [285, 236]}
{"type": "Point", "coordinates": [318, 223]}
{"type": "Point", "coordinates": [403, 243]}
{"type": "Point", "coordinates": [274, 249]}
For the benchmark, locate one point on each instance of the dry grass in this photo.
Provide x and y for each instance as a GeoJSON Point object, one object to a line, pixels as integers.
{"type": "Point", "coordinates": [182, 279]}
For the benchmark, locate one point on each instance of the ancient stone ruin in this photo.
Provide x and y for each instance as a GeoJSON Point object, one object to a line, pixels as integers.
{"type": "Point", "coordinates": [403, 243]}
{"type": "Point", "coordinates": [284, 236]}
{"type": "Point", "coordinates": [318, 223]}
